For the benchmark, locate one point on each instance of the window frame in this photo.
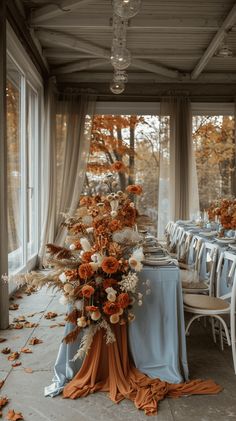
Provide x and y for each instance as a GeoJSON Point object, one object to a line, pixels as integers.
{"type": "Point", "coordinates": [31, 77]}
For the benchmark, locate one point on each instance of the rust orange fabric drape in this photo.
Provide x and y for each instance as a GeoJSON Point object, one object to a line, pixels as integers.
{"type": "Point", "coordinates": [108, 368]}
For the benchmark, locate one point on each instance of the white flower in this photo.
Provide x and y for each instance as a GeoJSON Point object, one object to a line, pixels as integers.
{"type": "Point", "coordinates": [86, 246]}
{"type": "Point", "coordinates": [114, 205]}
{"type": "Point", "coordinates": [113, 214]}
{"type": "Point", "coordinates": [68, 287]}
{"type": "Point", "coordinates": [140, 303]}
{"type": "Point", "coordinates": [89, 230]}
{"type": "Point", "coordinates": [140, 296]}
{"type": "Point", "coordinates": [81, 322]}
{"type": "Point", "coordinates": [111, 297]}
{"type": "Point", "coordinates": [135, 264]}
{"type": "Point", "coordinates": [72, 246]}
{"type": "Point", "coordinates": [97, 258]}
{"type": "Point", "coordinates": [129, 282]}
{"type": "Point", "coordinates": [110, 290]}
{"type": "Point", "coordinates": [114, 318]}
{"type": "Point", "coordinates": [95, 315]}
{"type": "Point", "coordinates": [62, 277]}
{"type": "Point", "coordinates": [131, 317]}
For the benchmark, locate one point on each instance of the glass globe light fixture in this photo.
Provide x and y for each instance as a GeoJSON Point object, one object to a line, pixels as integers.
{"type": "Point", "coordinates": [126, 9]}
{"type": "Point", "coordinates": [120, 58]}
{"type": "Point", "coordinates": [117, 87]}
{"type": "Point", "coordinates": [120, 76]}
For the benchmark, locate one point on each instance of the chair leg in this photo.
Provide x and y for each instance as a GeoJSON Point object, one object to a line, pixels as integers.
{"type": "Point", "coordinates": [221, 338]}
{"type": "Point", "coordinates": [225, 328]}
{"type": "Point", "coordinates": [198, 316]}
{"type": "Point", "coordinates": [233, 344]}
{"type": "Point", "coordinates": [213, 329]}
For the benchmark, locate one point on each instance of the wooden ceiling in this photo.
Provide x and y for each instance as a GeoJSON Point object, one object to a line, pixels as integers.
{"type": "Point", "coordinates": [171, 42]}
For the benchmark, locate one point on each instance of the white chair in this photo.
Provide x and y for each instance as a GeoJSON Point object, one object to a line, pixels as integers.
{"type": "Point", "coordinates": [219, 306]}
{"type": "Point", "coordinates": [200, 280]}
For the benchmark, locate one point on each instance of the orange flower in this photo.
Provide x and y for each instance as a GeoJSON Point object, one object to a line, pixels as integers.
{"type": "Point", "coordinates": [118, 166]}
{"type": "Point", "coordinates": [109, 282]}
{"type": "Point", "coordinates": [134, 189]}
{"type": "Point", "coordinates": [87, 291]}
{"type": "Point", "coordinates": [71, 275]}
{"type": "Point", "coordinates": [123, 299]}
{"type": "Point", "coordinates": [85, 271]}
{"type": "Point", "coordinates": [115, 225]}
{"type": "Point", "coordinates": [110, 265]}
{"type": "Point", "coordinates": [91, 308]}
{"type": "Point", "coordinates": [111, 308]}
{"type": "Point", "coordinates": [86, 257]}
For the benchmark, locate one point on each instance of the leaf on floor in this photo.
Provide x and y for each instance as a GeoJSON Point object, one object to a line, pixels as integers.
{"type": "Point", "coordinates": [19, 319]}
{"type": "Point", "coordinates": [18, 296]}
{"type": "Point", "coordinates": [52, 326]}
{"type": "Point", "coordinates": [16, 326]}
{"type": "Point", "coordinates": [35, 341]}
{"type": "Point", "coordinates": [14, 356]}
{"type": "Point", "coordinates": [2, 383]}
{"type": "Point", "coordinates": [50, 315]}
{"type": "Point", "coordinates": [26, 350]}
{"type": "Point", "coordinates": [28, 370]}
{"type": "Point", "coordinates": [17, 364]}
{"type": "Point", "coordinates": [3, 401]}
{"type": "Point", "coordinates": [14, 416]}
{"type": "Point", "coordinates": [33, 314]}
{"type": "Point", "coordinates": [30, 325]}
{"type": "Point", "coordinates": [13, 306]}
{"type": "Point", "coordinates": [2, 340]}
{"type": "Point", "coordinates": [6, 350]}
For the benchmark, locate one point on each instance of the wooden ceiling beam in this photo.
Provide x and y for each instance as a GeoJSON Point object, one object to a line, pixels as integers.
{"type": "Point", "coordinates": [54, 10]}
{"type": "Point", "coordinates": [79, 66]}
{"type": "Point", "coordinates": [145, 22]}
{"type": "Point", "coordinates": [105, 77]}
{"type": "Point", "coordinates": [215, 43]}
{"type": "Point", "coordinates": [64, 40]}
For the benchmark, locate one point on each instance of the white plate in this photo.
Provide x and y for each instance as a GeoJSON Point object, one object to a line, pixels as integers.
{"type": "Point", "coordinates": [157, 258]}
{"type": "Point", "coordinates": [208, 233]}
{"type": "Point", "coordinates": [156, 262]}
{"type": "Point", "coordinates": [151, 249]}
{"type": "Point", "coordinates": [225, 240]}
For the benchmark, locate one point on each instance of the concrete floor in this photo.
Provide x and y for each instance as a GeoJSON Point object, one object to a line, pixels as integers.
{"type": "Point", "coordinates": [25, 389]}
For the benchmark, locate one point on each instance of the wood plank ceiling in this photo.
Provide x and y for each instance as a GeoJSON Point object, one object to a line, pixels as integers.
{"type": "Point", "coordinates": [171, 42]}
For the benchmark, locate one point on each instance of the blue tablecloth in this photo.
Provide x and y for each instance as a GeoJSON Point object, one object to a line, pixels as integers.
{"type": "Point", "coordinates": [156, 337]}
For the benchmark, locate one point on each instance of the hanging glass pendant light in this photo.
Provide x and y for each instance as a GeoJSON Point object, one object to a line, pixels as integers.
{"type": "Point", "coordinates": [120, 57]}
{"type": "Point", "coordinates": [117, 87]}
{"type": "Point", "coordinates": [126, 9]}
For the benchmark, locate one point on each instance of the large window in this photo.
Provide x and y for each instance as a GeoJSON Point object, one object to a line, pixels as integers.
{"type": "Point", "coordinates": [131, 142]}
{"type": "Point", "coordinates": [23, 131]}
{"type": "Point", "coordinates": [214, 145]}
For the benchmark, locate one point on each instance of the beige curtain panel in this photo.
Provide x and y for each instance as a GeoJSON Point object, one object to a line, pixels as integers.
{"type": "Point", "coordinates": [67, 128]}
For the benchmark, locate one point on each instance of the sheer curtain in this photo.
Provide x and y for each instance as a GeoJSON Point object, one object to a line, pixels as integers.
{"type": "Point", "coordinates": [178, 190]}
{"type": "Point", "coordinates": [67, 140]}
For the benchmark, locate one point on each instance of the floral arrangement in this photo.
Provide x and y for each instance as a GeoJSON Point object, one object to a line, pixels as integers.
{"type": "Point", "coordinates": [225, 211]}
{"type": "Point", "coordinates": [97, 270]}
